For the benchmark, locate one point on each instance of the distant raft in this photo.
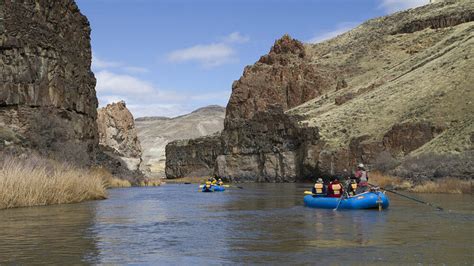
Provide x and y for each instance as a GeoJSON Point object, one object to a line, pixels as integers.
{"type": "Point", "coordinates": [213, 189]}
{"type": "Point", "coordinates": [366, 200]}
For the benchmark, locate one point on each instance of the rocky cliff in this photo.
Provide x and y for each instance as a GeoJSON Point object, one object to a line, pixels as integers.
{"type": "Point", "coordinates": [47, 90]}
{"type": "Point", "coordinates": [156, 132]}
{"type": "Point", "coordinates": [118, 136]}
{"type": "Point", "coordinates": [390, 93]}
{"type": "Point", "coordinates": [284, 78]}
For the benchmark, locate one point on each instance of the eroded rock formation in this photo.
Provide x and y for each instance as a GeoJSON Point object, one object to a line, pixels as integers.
{"type": "Point", "coordinates": [47, 90]}
{"type": "Point", "coordinates": [118, 136]}
{"type": "Point", "coordinates": [284, 78]}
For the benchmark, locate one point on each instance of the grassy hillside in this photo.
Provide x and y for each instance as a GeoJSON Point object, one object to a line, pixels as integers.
{"type": "Point", "coordinates": [399, 70]}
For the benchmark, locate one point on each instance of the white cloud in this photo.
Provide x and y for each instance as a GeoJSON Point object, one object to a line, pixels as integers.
{"type": "Point", "coordinates": [132, 69]}
{"type": "Point", "coordinates": [143, 98]}
{"type": "Point", "coordinates": [98, 63]}
{"type": "Point", "coordinates": [340, 29]}
{"type": "Point", "coordinates": [109, 82]}
{"type": "Point", "coordinates": [101, 64]}
{"type": "Point", "coordinates": [236, 37]}
{"type": "Point", "coordinates": [391, 6]}
{"type": "Point", "coordinates": [210, 55]}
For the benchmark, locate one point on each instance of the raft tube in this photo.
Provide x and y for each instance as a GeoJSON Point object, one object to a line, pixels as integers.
{"type": "Point", "coordinates": [218, 188]}
{"type": "Point", "coordinates": [204, 189]}
{"type": "Point", "coordinates": [366, 200]}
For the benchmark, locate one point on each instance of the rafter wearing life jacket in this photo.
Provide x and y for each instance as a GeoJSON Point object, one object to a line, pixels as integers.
{"type": "Point", "coordinates": [352, 188]}
{"type": "Point", "coordinates": [319, 189]}
{"type": "Point", "coordinates": [335, 189]}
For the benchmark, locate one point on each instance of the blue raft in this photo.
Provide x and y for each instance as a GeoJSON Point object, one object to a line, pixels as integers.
{"type": "Point", "coordinates": [213, 189]}
{"type": "Point", "coordinates": [366, 200]}
{"type": "Point", "coordinates": [218, 188]}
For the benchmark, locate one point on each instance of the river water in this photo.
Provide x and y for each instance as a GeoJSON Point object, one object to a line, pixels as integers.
{"type": "Point", "coordinates": [260, 224]}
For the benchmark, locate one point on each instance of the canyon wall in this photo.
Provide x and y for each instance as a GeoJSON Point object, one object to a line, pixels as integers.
{"type": "Point", "coordinates": [47, 90]}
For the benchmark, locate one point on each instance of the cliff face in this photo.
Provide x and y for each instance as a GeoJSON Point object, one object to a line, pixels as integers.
{"type": "Point", "coordinates": [284, 78]}
{"type": "Point", "coordinates": [390, 93]}
{"type": "Point", "coordinates": [156, 132]}
{"type": "Point", "coordinates": [194, 157]}
{"type": "Point", "coordinates": [118, 136]}
{"type": "Point", "coordinates": [47, 95]}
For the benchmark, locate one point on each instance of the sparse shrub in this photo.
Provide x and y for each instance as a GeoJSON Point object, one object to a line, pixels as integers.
{"type": "Point", "coordinates": [432, 166]}
{"type": "Point", "coordinates": [53, 137]}
{"type": "Point", "coordinates": [385, 162]}
{"type": "Point", "coordinates": [443, 185]}
{"type": "Point", "coordinates": [391, 182]}
{"type": "Point", "coordinates": [36, 181]}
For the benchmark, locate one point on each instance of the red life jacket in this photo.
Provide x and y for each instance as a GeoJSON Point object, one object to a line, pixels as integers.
{"type": "Point", "coordinates": [335, 190]}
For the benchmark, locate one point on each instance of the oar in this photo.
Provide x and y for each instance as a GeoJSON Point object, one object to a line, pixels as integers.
{"type": "Point", "coordinates": [309, 193]}
{"type": "Point", "coordinates": [339, 203]}
{"type": "Point", "coordinates": [408, 197]}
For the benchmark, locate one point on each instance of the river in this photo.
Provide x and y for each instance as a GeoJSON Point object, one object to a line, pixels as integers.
{"type": "Point", "coordinates": [262, 223]}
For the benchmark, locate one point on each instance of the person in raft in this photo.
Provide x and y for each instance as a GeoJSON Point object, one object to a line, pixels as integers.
{"type": "Point", "coordinates": [362, 179]}
{"type": "Point", "coordinates": [220, 182]}
{"type": "Point", "coordinates": [208, 186]}
{"type": "Point", "coordinates": [319, 189]}
{"type": "Point", "coordinates": [352, 188]}
{"type": "Point", "coordinates": [335, 189]}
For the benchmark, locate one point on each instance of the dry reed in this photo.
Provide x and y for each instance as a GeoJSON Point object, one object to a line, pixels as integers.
{"type": "Point", "coordinates": [36, 181]}
{"type": "Point", "coordinates": [110, 180]}
{"type": "Point", "coordinates": [444, 185]}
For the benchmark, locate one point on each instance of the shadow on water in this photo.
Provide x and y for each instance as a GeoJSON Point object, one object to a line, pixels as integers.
{"type": "Point", "coordinates": [263, 223]}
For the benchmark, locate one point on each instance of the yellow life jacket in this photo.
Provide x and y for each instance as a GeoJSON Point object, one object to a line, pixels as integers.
{"type": "Point", "coordinates": [319, 188]}
{"type": "Point", "coordinates": [214, 182]}
{"type": "Point", "coordinates": [221, 183]}
{"type": "Point", "coordinates": [337, 189]}
{"type": "Point", "coordinates": [354, 186]}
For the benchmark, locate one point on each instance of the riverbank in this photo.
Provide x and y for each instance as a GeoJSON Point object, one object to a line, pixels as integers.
{"type": "Point", "coordinates": [37, 181]}
{"type": "Point", "coordinates": [187, 180]}
{"type": "Point", "coordinates": [443, 185]}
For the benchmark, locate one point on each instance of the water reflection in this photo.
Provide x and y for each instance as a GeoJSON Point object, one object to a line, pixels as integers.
{"type": "Point", "coordinates": [49, 235]}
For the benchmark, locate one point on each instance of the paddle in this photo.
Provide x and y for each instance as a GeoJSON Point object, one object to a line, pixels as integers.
{"type": "Point", "coordinates": [340, 200]}
{"type": "Point", "coordinates": [408, 197]}
{"type": "Point", "coordinates": [309, 193]}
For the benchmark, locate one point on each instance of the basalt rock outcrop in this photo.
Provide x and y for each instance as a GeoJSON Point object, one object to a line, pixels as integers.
{"type": "Point", "coordinates": [396, 88]}
{"type": "Point", "coordinates": [284, 78]}
{"type": "Point", "coordinates": [193, 157]}
{"type": "Point", "coordinates": [47, 89]}
{"type": "Point", "coordinates": [118, 136]}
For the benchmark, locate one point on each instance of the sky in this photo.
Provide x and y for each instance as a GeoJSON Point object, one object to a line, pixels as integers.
{"type": "Point", "coordinates": [170, 57]}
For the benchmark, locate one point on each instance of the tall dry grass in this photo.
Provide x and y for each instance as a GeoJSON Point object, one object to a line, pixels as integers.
{"type": "Point", "coordinates": [110, 180]}
{"type": "Point", "coordinates": [36, 181]}
{"type": "Point", "coordinates": [449, 185]}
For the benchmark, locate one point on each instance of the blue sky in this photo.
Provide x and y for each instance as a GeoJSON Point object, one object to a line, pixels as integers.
{"type": "Point", "coordinates": [169, 57]}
